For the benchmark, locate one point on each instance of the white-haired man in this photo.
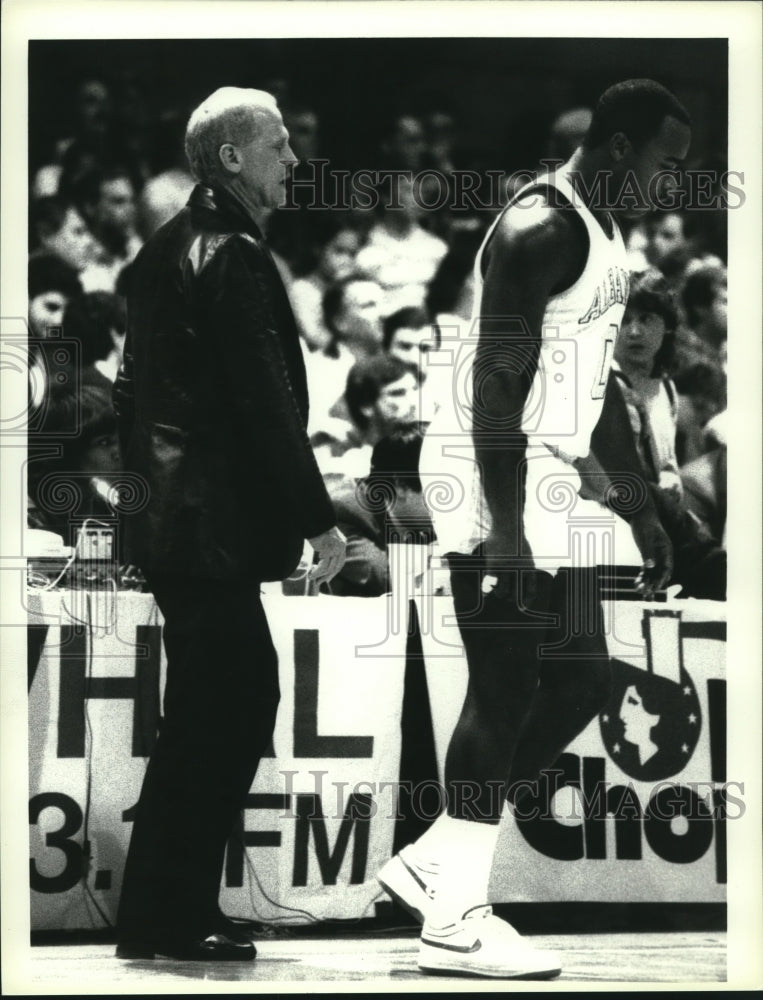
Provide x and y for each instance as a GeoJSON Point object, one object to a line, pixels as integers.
{"type": "Point", "coordinates": [212, 407]}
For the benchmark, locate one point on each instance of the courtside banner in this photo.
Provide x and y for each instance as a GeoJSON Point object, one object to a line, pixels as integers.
{"type": "Point", "coordinates": [636, 808]}
{"type": "Point", "coordinates": [319, 821]}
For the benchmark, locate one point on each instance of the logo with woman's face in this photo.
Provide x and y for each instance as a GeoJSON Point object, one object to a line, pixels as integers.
{"type": "Point", "coordinates": [651, 725]}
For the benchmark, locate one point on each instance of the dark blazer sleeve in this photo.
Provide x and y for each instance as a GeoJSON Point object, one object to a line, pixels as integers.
{"type": "Point", "coordinates": [235, 309]}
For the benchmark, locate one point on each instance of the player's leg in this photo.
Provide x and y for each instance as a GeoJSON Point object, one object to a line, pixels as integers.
{"type": "Point", "coordinates": [444, 875]}
{"type": "Point", "coordinates": [574, 678]}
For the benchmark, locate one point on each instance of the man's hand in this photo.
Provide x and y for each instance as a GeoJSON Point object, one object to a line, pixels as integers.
{"type": "Point", "coordinates": [656, 550]}
{"type": "Point", "coordinates": [503, 572]}
{"type": "Point", "coordinates": [331, 548]}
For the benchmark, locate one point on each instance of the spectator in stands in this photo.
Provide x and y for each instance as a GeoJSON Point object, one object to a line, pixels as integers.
{"type": "Point", "coordinates": [385, 504]}
{"type": "Point", "coordinates": [704, 484]}
{"type": "Point", "coordinates": [701, 397]}
{"type": "Point", "coordinates": [82, 426]}
{"type": "Point", "coordinates": [404, 147]}
{"type": "Point", "coordinates": [643, 357]}
{"type": "Point", "coordinates": [57, 227]}
{"type": "Point", "coordinates": [93, 120]}
{"type": "Point", "coordinates": [567, 132]}
{"type": "Point", "coordinates": [451, 290]}
{"type": "Point", "coordinates": [52, 283]}
{"type": "Point", "coordinates": [165, 193]}
{"type": "Point", "coordinates": [107, 199]}
{"type": "Point", "coordinates": [338, 246]}
{"type": "Point", "coordinates": [400, 255]}
{"type": "Point", "coordinates": [701, 357]}
{"type": "Point", "coordinates": [381, 395]}
{"type": "Point", "coordinates": [704, 298]}
{"type": "Point", "coordinates": [411, 336]}
{"type": "Point", "coordinates": [97, 321]}
{"type": "Point", "coordinates": [351, 314]}
{"type": "Point", "coordinates": [667, 245]}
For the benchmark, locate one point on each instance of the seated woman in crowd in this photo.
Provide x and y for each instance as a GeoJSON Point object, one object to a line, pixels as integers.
{"type": "Point", "coordinates": [643, 357]}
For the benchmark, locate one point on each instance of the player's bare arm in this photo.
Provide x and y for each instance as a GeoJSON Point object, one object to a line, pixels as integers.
{"type": "Point", "coordinates": [609, 474]}
{"type": "Point", "coordinates": [533, 254]}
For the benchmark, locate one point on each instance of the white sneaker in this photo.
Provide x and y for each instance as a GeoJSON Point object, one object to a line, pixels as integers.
{"type": "Point", "coordinates": [410, 883]}
{"type": "Point", "coordinates": [482, 945]}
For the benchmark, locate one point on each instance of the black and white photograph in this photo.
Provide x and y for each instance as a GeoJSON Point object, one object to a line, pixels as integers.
{"type": "Point", "coordinates": [381, 496]}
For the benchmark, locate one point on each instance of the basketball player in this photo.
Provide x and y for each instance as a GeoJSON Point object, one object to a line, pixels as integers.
{"type": "Point", "coordinates": [520, 433]}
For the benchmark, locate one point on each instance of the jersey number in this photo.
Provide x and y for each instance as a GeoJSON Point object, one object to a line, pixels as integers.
{"type": "Point", "coordinates": [600, 382]}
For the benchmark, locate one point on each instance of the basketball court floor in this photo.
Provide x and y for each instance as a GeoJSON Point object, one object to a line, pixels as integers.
{"type": "Point", "coordinates": [379, 963]}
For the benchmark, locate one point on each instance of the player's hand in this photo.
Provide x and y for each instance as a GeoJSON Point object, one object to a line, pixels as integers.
{"type": "Point", "coordinates": [503, 571]}
{"type": "Point", "coordinates": [656, 550]}
{"type": "Point", "coordinates": [331, 549]}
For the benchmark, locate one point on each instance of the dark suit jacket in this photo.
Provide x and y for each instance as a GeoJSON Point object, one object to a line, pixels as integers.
{"type": "Point", "coordinates": [212, 403]}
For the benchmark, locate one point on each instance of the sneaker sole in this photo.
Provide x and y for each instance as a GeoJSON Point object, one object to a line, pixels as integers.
{"type": "Point", "coordinates": [442, 962]}
{"type": "Point", "coordinates": [395, 879]}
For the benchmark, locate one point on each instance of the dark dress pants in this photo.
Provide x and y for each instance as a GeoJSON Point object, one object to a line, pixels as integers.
{"type": "Point", "coordinates": [220, 704]}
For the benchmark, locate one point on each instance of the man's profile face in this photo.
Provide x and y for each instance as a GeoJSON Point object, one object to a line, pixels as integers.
{"type": "Point", "coordinates": [663, 152]}
{"type": "Point", "coordinates": [266, 161]}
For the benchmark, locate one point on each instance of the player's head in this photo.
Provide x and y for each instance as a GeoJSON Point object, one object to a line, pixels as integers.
{"type": "Point", "coordinates": [644, 132]}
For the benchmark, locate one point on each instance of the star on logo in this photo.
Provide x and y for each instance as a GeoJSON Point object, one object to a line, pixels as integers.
{"type": "Point", "coordinates": [687, 689]}
{"type": "Point", "coordinates": [693, 718]}
{"type": "Point", "coordinates": [684, 748]}
{"type": "Point", "coordinates": [616, 748]}
{"type": "Point", "coordinates": [605, 718]}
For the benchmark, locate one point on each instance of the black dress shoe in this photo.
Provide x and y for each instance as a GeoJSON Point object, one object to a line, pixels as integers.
{"type": "Point", "coordinates": [212, 948]}
{"type": "Point", "coordinates": [237, 928]}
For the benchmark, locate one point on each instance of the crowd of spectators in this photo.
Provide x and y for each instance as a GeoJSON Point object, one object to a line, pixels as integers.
{"type": "Point", "coordinates": [374, 291]}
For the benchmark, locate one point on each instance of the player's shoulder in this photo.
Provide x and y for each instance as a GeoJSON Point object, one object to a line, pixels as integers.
{"type": "Point", "coordinates": [536, 231]}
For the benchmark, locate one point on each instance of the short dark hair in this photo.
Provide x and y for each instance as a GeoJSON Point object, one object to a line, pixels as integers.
{"type": "Point", "coordinates": [46, 216]}
{"type": "Point", "coordinates": [651, 293]}
{"type": "Point", "coordinates": [366, 380]}
{"type": "Point", "coordinates": [86, 186]}
{"type": "Point", "coordinates": [700, 289]}
{"type": "Point", "coordinates": [90, 319]}
{"type": "Point", "coordinates": [48, 273]}
{"type": "Point", "coordinates": [410, 318]}
{"type": "Point", "coordinates": [635, 107]}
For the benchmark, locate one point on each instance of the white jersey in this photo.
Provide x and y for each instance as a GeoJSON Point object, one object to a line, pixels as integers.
{"type": "Point", "coordinates": [580, 326]}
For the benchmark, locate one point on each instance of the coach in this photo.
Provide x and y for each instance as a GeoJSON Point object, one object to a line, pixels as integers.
{"type": "Point", "coordinates": [212, 408]}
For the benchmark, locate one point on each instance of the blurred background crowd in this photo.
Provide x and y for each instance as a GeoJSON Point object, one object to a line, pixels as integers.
{"type": "Point", "coordinates": [376, 291]}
